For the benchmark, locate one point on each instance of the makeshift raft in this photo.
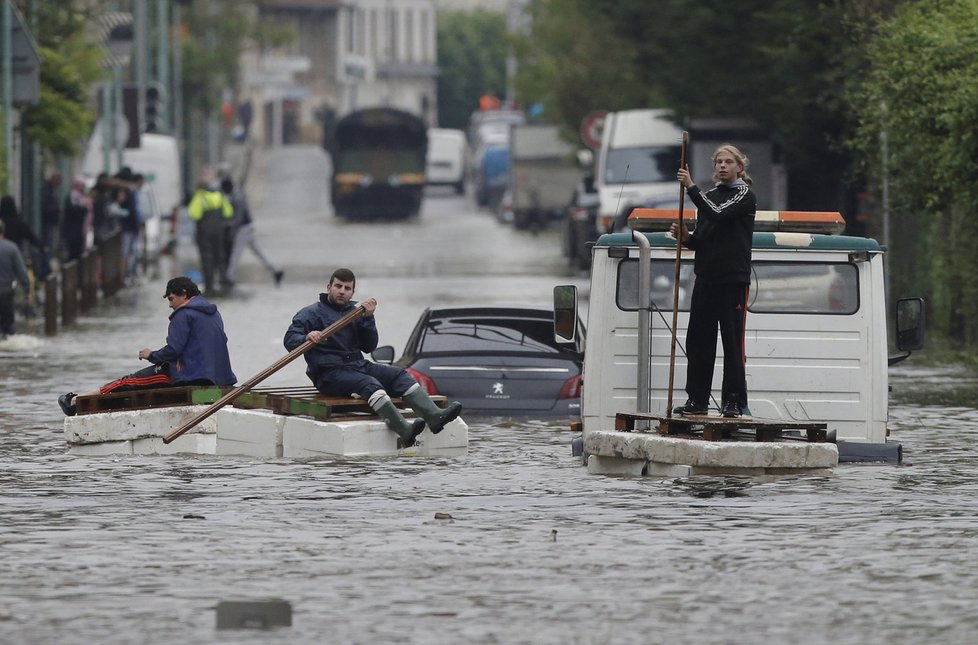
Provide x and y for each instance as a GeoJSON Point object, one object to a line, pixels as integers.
{"type": "Point", "coordinates": [294, 422]}
{"type": "Point", "coordinates": [697, 445]}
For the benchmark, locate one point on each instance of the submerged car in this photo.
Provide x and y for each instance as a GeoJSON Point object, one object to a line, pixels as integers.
{"type": "Point", "coordinates": [495, 360]}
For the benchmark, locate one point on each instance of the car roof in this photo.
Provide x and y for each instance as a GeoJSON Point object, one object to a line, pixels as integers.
{"type": "Point", "coordinates": [510, 311]}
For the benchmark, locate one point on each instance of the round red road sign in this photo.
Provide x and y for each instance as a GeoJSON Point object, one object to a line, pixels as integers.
{"type": "Point", "coordinates": [591, 127]}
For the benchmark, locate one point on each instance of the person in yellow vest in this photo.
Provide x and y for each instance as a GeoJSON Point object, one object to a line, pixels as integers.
{"type": "Point", "coordinates": [212, 212]}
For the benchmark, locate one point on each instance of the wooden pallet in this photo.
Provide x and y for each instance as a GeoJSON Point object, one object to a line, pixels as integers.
{"type": "Point", "coordinates": [725, 429]}
{"type": "Point", "coordinates": [298, 401]}
{"type": "Point", "coordinates": [167, 397]}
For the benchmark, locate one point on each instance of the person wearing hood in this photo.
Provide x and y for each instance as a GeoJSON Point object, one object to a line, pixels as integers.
{"type": "Point", "coordinates": [196, 350]}
{"type": "Point", "coordinates": [722, 241]}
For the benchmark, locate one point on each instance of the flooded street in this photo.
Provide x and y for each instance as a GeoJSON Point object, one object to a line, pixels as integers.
{"type": "Point", "coordinates": [141, 549]}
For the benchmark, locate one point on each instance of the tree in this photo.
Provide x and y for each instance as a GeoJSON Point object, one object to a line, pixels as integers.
{"type": "Point", "coordinates": [784, 63]}
{"type": "Point", "coordinates": [472, 48]}
{"type": "Point", "coordinates": [573, 63]}
{"type": "Point", "coordinates": [920, 92]}
{"type": "Point", "coordinates": [70, 65]}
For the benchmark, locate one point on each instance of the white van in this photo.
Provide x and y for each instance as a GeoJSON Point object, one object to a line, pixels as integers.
{"type": "Point", "coordinates": [637, 162]}
{"type": "Point", "coordinates": [158, 160]}
{"type": "Point", "coordinates": [445, 163]}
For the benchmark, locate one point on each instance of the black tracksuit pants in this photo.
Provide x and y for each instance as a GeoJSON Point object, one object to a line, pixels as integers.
{"type": "Point", "coordinates": [713, 306]}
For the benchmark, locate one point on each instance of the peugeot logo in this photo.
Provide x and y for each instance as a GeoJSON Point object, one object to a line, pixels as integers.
{"type": "Point", "coordinates": [497, 388]}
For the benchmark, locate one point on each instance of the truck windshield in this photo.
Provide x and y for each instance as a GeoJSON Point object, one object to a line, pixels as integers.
{"type": "Point", "coordinates": [776, 287]}
{"type": "Point", "coordinates": [641, 165]}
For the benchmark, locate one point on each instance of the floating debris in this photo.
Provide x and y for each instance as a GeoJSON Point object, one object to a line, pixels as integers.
{"type": "Point", "coordinates": [191, 516]}
{"type": "Point", "coordinates": [254, 614]}
{"type": "Point", "coordinates": [443, 516]}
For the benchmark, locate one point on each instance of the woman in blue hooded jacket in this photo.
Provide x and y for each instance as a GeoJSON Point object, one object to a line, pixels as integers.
{"type": "Point", "coordinates": [196, 350]}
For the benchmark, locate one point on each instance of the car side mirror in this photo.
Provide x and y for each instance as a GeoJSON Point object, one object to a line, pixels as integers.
{"type": "Point", "coordinates": [383, 354]}
{"type": "Point", "coordinates": [910, 324]}
{"type": "Point", "coordinates": [565, 313]}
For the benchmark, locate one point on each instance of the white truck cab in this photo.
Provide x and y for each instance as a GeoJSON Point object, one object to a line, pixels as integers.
{"type": "Point", "coordinates": [816, 336]}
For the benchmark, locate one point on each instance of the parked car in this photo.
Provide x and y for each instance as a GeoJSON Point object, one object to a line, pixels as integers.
{"type": "Point", "coordinates": [580, 224]}
{"type": "Point", "coordinates": [445, 163]}
{"type": "Point", "coordinates": [495, 360]}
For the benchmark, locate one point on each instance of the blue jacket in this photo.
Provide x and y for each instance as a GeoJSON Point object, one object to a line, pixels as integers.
{"type": "Point", "coordinates": [344, 347]}
{"type": "Point", "coordinates": [196, 345]}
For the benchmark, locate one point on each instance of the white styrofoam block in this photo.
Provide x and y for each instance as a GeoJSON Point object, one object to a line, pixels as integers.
{"type": "Point", "coordinates": [597, 465]}
{"type": "Point", "coordinates": [668, 470]}
{"type": "Point", "coordinates": [308, 437]}
{"type": "Point", "coordinates": [125, 425]}
{"type": "Point", "coordinates": [189, 443]}
{"type": "Point", "coordinates": [452, 441]}
{"type": "Point", "coordinates": [250, 426]}
{"type": "Point", "coordinates": [101, 449]}
{"type": "Point", "coordinates": [229, 447]}
{"type": "Point", "coordinates": [711, 456]}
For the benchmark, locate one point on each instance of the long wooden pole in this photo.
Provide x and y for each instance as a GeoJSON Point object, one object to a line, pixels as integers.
{"type": "Point", "coordinates": [265, 373]}
{"type": "Point", "coordinates": [675, 290]}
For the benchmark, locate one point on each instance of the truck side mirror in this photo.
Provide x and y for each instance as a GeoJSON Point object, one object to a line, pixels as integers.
{"type": "Point", "coordinates": [910, 324]}
{"type": "Point", "coordinates": [565, 313]}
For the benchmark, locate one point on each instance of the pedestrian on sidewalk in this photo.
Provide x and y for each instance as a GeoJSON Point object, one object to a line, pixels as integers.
{"type": "Point", "coordinates": [50, 225]}
{"type": "Point", "coordinates": [12, 268]}
{"type": "Point", "coordinates": [212, 213]}
{"type": "Point", "coordinates": [722, 240]}
{"type": "Point", "coordinates": [18, 231]}
{"type": "Point", "coordinates": [196, 350]}
{"type": "Point", "coordinates": [243, 233]}
{"type": "Point", "coordinates": [131, 223]}
{"type": "Point", "coordinates": [337, 367]}
{"type": "Point", "coordinates": [77, 215]}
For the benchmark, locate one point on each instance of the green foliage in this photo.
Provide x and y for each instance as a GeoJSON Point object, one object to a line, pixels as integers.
{"type": "Point", "coordinates": [920, 91]}
{"type": "Point", "coordinates": [573, 63]}
{"type": "Point", "coordinates": [784, 63]}
{"type": "Point", "coordinates": [69, 66]}
{"type": "Point", "coordinates": [217, 34]}
{"type": "Point", "coordinates": [472, 49]}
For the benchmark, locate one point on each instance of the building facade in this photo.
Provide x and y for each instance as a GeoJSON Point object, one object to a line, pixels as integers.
{"type": "Point", "coordinates": [349, 54]}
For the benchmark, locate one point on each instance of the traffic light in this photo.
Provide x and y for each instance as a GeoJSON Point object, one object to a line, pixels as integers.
{"type": "Point", "coordinates": [151, 109]}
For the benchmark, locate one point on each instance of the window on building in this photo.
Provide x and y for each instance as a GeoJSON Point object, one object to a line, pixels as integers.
{"type": "Point", "coordinates": [409, 34]}
{"type": "Point", "coordinates": [392, 40]}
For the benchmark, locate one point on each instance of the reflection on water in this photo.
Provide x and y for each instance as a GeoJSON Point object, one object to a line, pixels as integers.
{"type": "Point", "coordinates": [957, 387]}
{"type": "Point", "coordinates": [141, 549]}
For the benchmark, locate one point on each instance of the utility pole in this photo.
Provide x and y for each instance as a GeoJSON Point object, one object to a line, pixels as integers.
{"type": "Point", "coordinates": [163, 60]}
{"type": "Point", "coordinates": [178, 130]}
{"type": "Point", "coordinates": [6, 70]}
{"type": "Point", "coordinates": [141, 51]}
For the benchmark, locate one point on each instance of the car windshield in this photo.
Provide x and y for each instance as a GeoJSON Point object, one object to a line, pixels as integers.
{"type": "Point", "coordinates": [641, 165]}
{"type": "Point", "coordinates": [489, 334]}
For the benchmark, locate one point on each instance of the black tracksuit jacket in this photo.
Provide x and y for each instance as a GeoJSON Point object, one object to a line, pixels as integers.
{"type": "Point", "coordinates": [724, 232]}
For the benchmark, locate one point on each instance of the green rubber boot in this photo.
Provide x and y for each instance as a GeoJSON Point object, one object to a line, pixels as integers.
{"type": "Point", "coordinates": [424, 407]}
{"type": "Point", "coordinates": [406, 431]}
